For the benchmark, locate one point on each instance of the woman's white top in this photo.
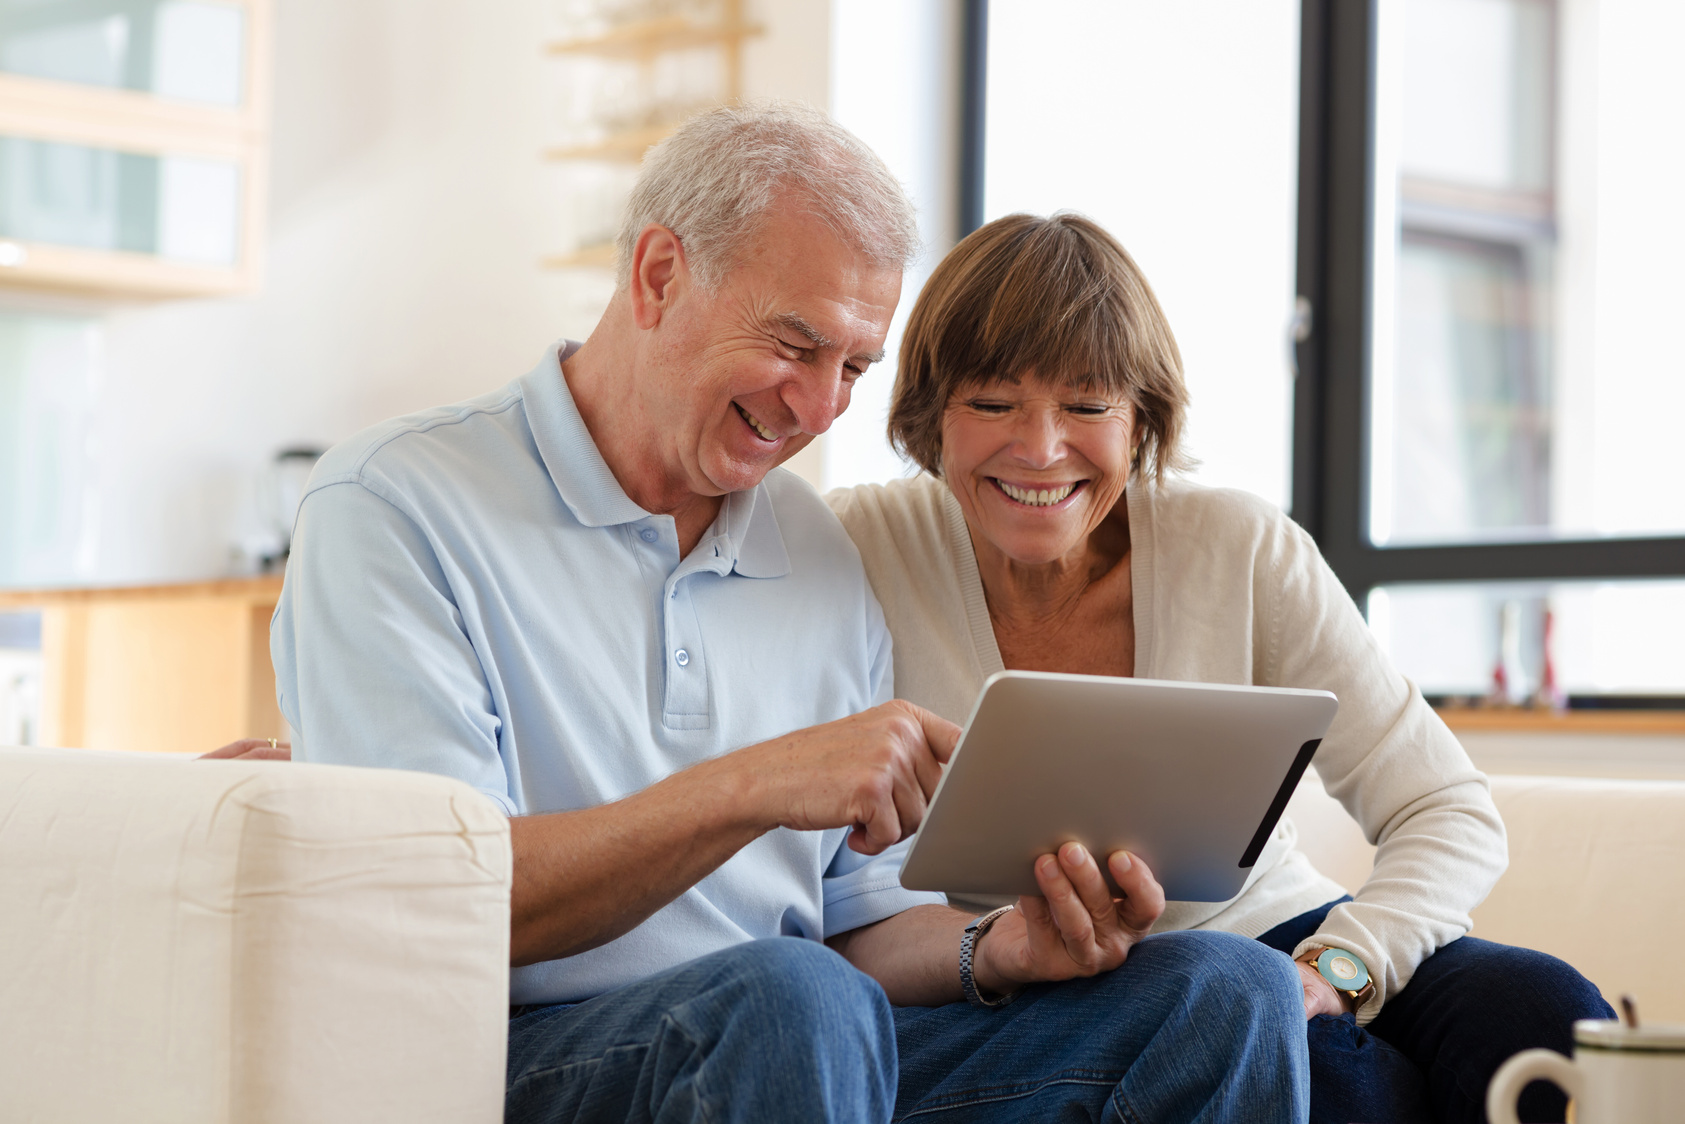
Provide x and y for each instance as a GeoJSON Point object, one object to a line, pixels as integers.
{"type": "Point", "coordinates": [1227, 589]}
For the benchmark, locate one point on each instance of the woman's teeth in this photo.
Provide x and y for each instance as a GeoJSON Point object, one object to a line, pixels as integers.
{"type": "Point", "coordinates": [1043, 497]}
{"type": "Point", "coordinates": [766, 434]}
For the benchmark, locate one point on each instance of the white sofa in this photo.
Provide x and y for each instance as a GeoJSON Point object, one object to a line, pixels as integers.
{"type": "Point", "coordinates": [227, 942]}
{"type": "Point", "coordinates": [210, 942]}
{"type": "Point", "coordinates": [1596, 876]}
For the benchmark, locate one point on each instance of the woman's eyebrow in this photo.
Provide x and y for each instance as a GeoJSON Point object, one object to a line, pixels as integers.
{"type": "Point", "coordinates": [797, 323]}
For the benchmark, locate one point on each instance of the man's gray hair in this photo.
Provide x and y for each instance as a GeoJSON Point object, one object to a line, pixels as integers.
{"type": "Point", "coordinates": [712, 182]}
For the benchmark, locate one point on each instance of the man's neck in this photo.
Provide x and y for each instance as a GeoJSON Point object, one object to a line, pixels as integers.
{"type": "Point", "coordinates": [629, 442]}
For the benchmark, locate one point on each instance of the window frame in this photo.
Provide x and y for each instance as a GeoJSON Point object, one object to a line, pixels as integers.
{"type": "Point", "coordinates": [1330, 408]}
{"type": "Point", "coordinates": [1337, 100]}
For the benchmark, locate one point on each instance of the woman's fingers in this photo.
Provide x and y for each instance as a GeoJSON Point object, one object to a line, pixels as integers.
{"type": "Point", "coordinates": [1143, 897]}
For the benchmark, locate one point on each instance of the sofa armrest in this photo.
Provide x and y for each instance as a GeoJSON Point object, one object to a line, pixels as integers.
{"type": "Point", "coordinates": [225, 941]}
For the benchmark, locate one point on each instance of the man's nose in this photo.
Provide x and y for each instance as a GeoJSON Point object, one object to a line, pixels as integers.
{"type": "Point", "coordinates": [817, 397]}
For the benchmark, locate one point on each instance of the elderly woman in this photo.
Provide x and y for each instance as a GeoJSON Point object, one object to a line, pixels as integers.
{"type": "Point", "coordinates": [1040, 388]}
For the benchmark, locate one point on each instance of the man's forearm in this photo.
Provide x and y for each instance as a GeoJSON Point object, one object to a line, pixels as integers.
{"type": "Point", "coordinates": [914, 956]}
{"type": "Point", "coordinates": [584, 878]}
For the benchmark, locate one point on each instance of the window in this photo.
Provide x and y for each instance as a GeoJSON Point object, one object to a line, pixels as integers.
{"type": "Point", "coordinates": [1177, 132]}
{"type": "Point", "coordinates": [1485, 426]}
{"type": "Point", "coordinates": [131, 145]}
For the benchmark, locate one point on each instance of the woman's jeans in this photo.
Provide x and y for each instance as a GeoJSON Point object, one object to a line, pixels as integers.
{"type": "Point", "coordinates": [1194, 1026]}
{"type": "Point", "coordinates": [1431, 1051]}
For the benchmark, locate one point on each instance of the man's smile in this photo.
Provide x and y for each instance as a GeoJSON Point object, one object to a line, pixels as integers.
{"type": "Point", "coordinates": [761, 431]}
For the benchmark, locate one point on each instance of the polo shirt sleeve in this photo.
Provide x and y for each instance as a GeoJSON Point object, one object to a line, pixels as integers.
{"type": "Point", "coordinates": [372, 664]}
{"type": "Point", "coordinates": [863, 889]}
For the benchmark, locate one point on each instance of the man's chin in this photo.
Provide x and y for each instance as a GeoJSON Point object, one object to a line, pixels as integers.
{"type": "Point", "coordinates": [736, 474]}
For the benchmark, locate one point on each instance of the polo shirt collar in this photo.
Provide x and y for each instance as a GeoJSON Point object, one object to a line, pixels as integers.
{"type": "Point", "coordinates": [746, 525]}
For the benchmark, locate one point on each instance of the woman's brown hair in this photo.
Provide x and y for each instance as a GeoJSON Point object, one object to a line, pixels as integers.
{"type": "Point", "coordinates": [1055, 296]}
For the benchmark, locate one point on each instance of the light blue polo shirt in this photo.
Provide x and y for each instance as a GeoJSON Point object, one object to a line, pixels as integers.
{"type": "Point", "coordinates": [471, 593]}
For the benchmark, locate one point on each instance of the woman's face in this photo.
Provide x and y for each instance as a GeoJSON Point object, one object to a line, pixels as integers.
{"type": "Point", "coordinates": [1036, 467]}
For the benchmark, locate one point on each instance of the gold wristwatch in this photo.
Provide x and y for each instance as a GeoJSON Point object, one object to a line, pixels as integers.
{"type": "Point", "coordinates": [1344, 970]}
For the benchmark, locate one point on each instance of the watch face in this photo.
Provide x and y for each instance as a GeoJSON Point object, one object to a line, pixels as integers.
{"type": "Point", "coordinates": [1342, 969]}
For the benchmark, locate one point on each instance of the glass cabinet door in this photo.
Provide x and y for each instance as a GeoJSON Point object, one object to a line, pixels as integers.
{"type": "Point", "coordinates": [132, 143]}
{"type": "Point", "coordinates": [183, 50]}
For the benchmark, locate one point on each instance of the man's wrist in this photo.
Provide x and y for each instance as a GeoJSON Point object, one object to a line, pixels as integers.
{"type": "Point", "coordinates": [984, 971]}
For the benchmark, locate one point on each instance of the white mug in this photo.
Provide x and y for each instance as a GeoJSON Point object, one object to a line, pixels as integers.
{"type": "Point", "coordinates": [1619, 1075]}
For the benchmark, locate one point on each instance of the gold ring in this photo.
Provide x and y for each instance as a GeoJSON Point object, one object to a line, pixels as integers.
{"type": "Point", "coordinates": [272, 743]}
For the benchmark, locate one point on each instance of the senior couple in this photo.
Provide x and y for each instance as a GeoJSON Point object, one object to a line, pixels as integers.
{"type": "Point", "coordinates": [715, 706]}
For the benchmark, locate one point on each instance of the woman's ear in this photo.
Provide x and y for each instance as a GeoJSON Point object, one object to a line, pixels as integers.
{"type": "Point", "coordinates": [659, 271]}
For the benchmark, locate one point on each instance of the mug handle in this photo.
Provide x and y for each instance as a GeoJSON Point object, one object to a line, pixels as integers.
{"type": "Point", "coordinates": [1513, 1076]}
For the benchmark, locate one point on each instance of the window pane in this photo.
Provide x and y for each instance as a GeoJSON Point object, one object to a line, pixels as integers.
{"type": "Point", "coordinates": [1524, 382]}
{"type": "Point", "coordinates": [1483, 639]}
{"type": "Point", "coordinates": [1176, 127]}
{"type": "Point", "coordinates": [187, 50]}
{"type": "Point", "coordinates": [180, 208]}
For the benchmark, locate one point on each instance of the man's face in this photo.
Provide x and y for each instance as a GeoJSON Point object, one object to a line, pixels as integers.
{"type": "Point", "coordinates": [746, 376]}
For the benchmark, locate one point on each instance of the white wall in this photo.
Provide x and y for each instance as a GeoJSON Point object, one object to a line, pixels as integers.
{"type": "Point", "coordinates": [409, 209]}
{"type": "Point", "coordinates": [895, 74]}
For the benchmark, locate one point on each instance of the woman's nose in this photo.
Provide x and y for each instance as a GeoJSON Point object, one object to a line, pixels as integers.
{"type": "Point", "coordinates": [1041, 437]}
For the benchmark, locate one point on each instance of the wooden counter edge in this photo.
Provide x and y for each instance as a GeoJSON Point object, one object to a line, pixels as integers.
{"type": "Point", "coordinates": [256, 591]}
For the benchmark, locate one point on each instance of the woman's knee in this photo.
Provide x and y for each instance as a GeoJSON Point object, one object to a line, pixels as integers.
{"type": "Point", "coordinates": [1490, 976]}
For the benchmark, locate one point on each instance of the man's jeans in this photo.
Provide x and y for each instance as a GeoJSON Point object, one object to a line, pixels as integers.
{"type": "Point", "coordinates": [1431, 1051]}
{"type": "Point", "coordinates": [1195, 1026]}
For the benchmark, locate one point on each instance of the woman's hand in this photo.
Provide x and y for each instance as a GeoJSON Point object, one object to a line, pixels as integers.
{"type": "Point", "coordinates": [1075, 928]}
{"type": "Point", "coordinates": [1320, 996]}
{"type": "Point", "coordinates": [252, 749]}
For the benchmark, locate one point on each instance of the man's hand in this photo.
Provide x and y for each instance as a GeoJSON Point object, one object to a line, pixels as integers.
{"type": "Point", "coordinates": [584, 878]}
{"type": "Point", "coordinates": [1075, 928]}
{"type": "Point", "coordinates": [252, 749]}
{"type": "Point", "coordinates": [874, 771]}
{"type": "Point", "coordinates": [1320, 996]}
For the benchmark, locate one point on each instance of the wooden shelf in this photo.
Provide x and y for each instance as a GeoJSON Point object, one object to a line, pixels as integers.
{"type": "Point", "coordinates": [644, 38]}
{"type": "Point", "coordinates": [626, 148]}
{"type": "Point", "coordinates": [117, 273]}
{"type": "Point", "coordinates": [600, 256]}
{"type": "Point", "coordinates": [1516, 720]}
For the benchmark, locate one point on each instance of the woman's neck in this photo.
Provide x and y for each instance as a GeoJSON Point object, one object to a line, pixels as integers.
{"type": "Point", "coordinates": [1029, 596]}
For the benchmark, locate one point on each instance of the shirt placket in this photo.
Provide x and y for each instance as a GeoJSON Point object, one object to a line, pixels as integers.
{"type": "Point", "coordinates": [685, 701]}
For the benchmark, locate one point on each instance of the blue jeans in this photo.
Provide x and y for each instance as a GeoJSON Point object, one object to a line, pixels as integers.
{"type": "Point", "coordinates": [1193, 1027]}
{"type": "Point", "coordinates": [1431, 1051]}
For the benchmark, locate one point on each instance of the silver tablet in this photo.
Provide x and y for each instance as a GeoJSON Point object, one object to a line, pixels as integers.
{"type": "Point", "coordinates": [1192, 777]}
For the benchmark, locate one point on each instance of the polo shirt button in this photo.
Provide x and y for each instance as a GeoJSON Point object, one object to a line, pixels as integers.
{"type": "Point", "coordinates": [681, 657]}
{"type": "Point", "coordinates": [648, 534]}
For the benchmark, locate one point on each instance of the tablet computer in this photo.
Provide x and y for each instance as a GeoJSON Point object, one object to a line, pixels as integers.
{"type": "Point", "coordinates": [1192, 777]}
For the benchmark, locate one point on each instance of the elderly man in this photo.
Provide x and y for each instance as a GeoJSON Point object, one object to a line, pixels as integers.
{"type": "Point", "coordinates": [591, 596]}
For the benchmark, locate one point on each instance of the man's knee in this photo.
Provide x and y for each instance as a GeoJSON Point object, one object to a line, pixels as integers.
{"type": "Point", "coordinates": [1226, 968]}
{"type": "Point", "coordinates": [805, 990]}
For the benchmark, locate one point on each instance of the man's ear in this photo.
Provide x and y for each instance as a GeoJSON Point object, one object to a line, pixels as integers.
{"type": "Point", "coordinates": [659, 272]}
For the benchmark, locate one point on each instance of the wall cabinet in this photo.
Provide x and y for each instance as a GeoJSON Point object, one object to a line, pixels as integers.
{"type": "Point", "coordinates": [133, 143]}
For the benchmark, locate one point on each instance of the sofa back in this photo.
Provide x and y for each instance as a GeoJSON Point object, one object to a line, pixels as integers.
{"type": "Point", "coordinates": [1596, 876]}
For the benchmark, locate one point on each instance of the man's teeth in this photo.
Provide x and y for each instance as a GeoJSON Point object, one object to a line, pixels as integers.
{"type": "Point", "coordinates": [1037, 497]}
{"type": "Point", "coordinates": [766, 434]}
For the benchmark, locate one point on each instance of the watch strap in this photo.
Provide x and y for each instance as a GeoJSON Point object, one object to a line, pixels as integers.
{"type": "Point", "coordinates": [968, 947]}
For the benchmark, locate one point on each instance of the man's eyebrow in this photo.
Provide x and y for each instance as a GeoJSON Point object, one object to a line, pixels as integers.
{"type": "Point", "coordinates": [797, 323]}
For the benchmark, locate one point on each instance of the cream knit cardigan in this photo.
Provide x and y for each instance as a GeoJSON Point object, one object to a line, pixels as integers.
{"type": "Point", "coordinates": [1227, 589]}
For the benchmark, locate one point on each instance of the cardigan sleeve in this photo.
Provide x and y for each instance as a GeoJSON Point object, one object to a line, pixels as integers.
{"type": "Point", "coordinates": [1390, 760]}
